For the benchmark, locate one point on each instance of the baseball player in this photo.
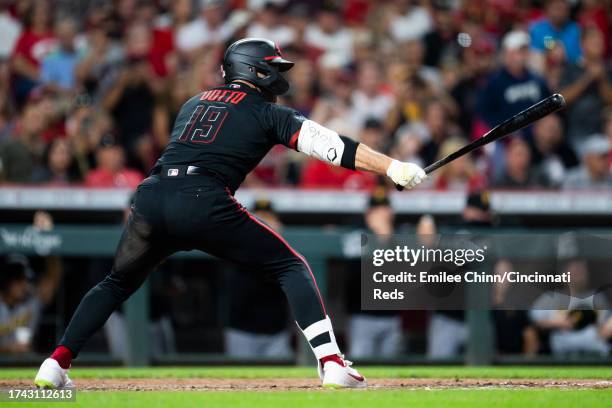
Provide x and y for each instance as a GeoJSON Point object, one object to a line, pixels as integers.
{"type": "Point", "coordinates": [188, 203]}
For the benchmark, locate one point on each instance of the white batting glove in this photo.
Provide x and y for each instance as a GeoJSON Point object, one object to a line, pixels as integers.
{"type": "Point", "coordinates": [407, 175]}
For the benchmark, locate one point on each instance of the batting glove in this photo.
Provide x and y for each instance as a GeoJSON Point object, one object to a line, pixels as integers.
{"type": "Point", "coordinates": [407, 175]}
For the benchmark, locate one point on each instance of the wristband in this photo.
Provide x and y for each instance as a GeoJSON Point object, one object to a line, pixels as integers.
{"type": "Point", "coordinates": [349, 154]}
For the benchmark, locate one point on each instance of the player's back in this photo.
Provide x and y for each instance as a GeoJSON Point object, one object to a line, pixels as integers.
{"type": "Point", "coordinates": [227, 131]}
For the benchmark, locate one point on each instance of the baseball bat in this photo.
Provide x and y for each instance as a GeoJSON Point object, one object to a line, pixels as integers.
{"type": "Point", "coordinates": [522, 119]}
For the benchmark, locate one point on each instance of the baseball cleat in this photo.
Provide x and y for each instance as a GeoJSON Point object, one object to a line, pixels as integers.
{"type": "Point", "coordinates": [338, 373]}
{"type": "Point", "coordinates": [52, 376]}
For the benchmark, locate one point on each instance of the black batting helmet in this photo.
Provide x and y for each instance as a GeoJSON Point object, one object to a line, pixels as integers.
{"type": "Point", "coordinates": [258, 61]}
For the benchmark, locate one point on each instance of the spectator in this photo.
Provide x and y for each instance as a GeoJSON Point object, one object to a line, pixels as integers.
{"type": "Point", "coordinates": [135, 86]}
{"type": "Point", "coordinates": [438, 129]}
{"type": "Point", "coordinates": [84, 129]}
{"type": "Point", "coordinates": [180, 88]}
{"type": "Point", "coordinates": [333, 107]}
{"type": "Point", "coordinates": [20, 153]}
{"type": "Point", "coordinates": [7, 107]}
{"type": "Point", "coordinates": [329, 35]}
{"type": "Point", "coordinates": [59, 165]}
{"type": "Point", "coordinates": [551, 155]}
{"type": "Point", "coordinates": [373, 333]}
{"type": "Point", "coordinates": [301, 96]}
{"type": "Point", "coordinates": [373, 135]}
{"type": "Point", "coordinates": [407, 146]}
{"type": "Point", "coordinates": [573, 320]}
{"type": "Point", "coordinates": [31, 47]}
{"type": "Point", "coordinates": [119, 15]}
{"type": "Point", "coordinates": [268, 25]}
{"type": "Point", "coordinates": [587, 88]}
{"type": "Point", "coordinates": [477, 61]}
{"type": "Point", "coordinates": [518, 172]}
{"type": "Point", "coordinates": [412, 94]}
{"type": "Point", "coordinates": [262, 331]}
{"type": "Point", "coordinates": [57, 69]}
{"type": "Point", "coordinates": [594, 13]}
{"type": "Point", "coordinates": [594, 172]}
{"type": "Point", "coordinates": [555, 26]}
{"type": "Point", "coordinates": [98, 64]}
{"type": "Point", "coordinates": [369, 100]}
{"type": "Point", "coordinates": [10, 29]}
{"type": "Point", "coordinates": [408, 21]}
{"type": "Point", "coordinates": [210, 28]}
{"type": "Point", "coordinates": [441, 42]}
{"type": "Point", "coordinates": [160, 53]}
{"type": "Point", "coordinates": [555, 62]}
{"type": "Point", "coordinates": [178, 15]}
{"type": "Point", "coordinates": [512, 88]}
{"type": "Point", "coordinates": [461, 173]}
{"type": "Point", "coordinates": [414, 57]}
{"type": "Point", "coordinates": [110, 170]}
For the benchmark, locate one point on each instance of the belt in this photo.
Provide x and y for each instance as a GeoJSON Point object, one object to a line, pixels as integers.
{"type": "Point", "coordinates": [180, 171]}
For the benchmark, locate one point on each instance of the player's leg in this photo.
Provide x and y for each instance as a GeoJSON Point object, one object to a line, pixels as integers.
{"type": "Point", "coordinates": [136, 255]}
{"type": "Point", "coordinates": [243, 238]}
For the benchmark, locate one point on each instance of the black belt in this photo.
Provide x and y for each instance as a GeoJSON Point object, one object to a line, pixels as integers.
{"type": "Point", "coordinates": [169, 171]}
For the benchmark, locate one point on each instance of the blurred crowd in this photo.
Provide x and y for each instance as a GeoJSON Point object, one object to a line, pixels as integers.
{"type": "Point", "coordinates": [89, 89]}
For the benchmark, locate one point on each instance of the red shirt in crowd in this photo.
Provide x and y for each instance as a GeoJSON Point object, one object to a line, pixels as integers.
{"type": "Point", "coordinates": [34, 47]}
{"type": "Point", "coordinates": [475, 182]}
{"type": "Point", "coordinates": [163, 44]}
{"type": "Point", "coordinates": [317, 174]}
{"type": "Point", "coordinates": [104, 178]}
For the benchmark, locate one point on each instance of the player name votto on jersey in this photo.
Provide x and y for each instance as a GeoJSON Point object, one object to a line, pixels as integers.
{"type": "Point", "coordinates": [223, 95]}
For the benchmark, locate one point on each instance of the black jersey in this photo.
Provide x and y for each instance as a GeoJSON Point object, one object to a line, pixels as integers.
{"type": "Point", "coordinates": [228, 130]}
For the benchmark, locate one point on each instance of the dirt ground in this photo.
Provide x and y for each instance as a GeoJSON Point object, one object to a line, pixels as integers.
{"type": "Point", "coordinates": [296, 384]}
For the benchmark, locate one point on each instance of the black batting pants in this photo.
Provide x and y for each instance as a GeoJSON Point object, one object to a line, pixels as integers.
{"type": "Point", "coordinates": [171, 214]}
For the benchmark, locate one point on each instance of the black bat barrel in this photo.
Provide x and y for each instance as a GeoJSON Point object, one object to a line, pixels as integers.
{"type": "Point", "coordinates": [522, 119]}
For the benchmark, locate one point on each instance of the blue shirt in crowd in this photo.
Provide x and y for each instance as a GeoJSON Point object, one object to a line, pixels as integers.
{"type": "Point", "coordinates": [505, 95]}
{"type": "Point", "coordinates": [543, 31]}
{"type": "Point", "coordinates": [58, 68]}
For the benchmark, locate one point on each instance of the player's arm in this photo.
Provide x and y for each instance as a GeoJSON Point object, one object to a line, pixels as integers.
{"type": "Point", "coordinates": [325, 144]}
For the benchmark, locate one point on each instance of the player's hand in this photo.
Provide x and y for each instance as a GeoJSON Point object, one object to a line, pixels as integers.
{"type": "Point", "coordinates": [407, 175]}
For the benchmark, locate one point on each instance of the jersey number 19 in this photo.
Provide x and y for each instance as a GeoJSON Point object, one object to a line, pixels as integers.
{"type": "Point", "coordinates": [204, 124]}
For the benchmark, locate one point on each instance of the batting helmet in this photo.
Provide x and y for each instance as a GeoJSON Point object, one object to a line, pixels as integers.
{"type": "Point", "coordinates": [258, 61]}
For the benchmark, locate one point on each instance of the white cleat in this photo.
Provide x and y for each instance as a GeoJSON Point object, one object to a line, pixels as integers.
{"type": "Point", "coordinates": [52, 376]}
{"type": "Point", "coordinates": [336, 375]}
